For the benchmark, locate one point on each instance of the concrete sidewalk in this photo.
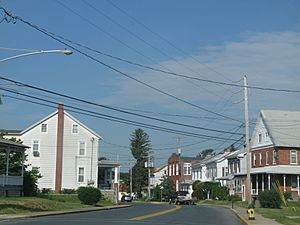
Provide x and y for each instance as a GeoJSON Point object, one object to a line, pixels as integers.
{"type": "Point", "coordinates": [259, 219]}
{"type": "Point", "coordinates": [61, 212]}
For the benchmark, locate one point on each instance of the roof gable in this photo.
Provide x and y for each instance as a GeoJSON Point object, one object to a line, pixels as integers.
{"type": "Point", "coordinates": [283, 127]}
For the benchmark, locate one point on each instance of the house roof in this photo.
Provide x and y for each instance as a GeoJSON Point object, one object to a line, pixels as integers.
{"type": "Point", "coordinates": [283, 127]}
{"type": "Point", "coordinates": [9, 131]}
{"type": "Point", "coordinates": [67, 114]}
{"type": "Point", "coordinates": [8, 142]}
{"type": "Point", "coordinates": [279, 169]}
{"type": "Point", "coordinates": [236, 154]}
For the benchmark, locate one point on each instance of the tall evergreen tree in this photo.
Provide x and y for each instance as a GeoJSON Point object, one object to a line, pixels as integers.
{"type": "Point", "coordinates": [140, 147]}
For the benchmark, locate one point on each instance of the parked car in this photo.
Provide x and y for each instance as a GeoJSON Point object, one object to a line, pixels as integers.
{"type": "Point", "coordinates": [182, 197]}
{"type": "Point", "coordinates": [126, 198]}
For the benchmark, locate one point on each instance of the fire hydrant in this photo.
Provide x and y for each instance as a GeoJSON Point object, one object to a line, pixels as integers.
{"type": "Point", "coordinates": [250, 211]}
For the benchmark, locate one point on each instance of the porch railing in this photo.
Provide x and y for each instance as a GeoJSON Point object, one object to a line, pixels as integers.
{"type": "Point", "coordinates": [11, 180]}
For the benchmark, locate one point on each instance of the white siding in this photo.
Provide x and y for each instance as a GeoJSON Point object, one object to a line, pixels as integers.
{"type": "Point", "coordinates": [46, 161]}
{"type": "Point", "coordinates": [260, 129]}
{"type": "Point", "coordinates": [47, 158]}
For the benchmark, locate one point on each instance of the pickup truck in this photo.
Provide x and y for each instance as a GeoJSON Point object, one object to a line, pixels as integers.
{"type": "Point", "coordinates": [182, 197]}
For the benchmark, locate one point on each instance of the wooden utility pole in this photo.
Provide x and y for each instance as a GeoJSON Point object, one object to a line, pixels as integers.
{"type": "Point", "coordinates": [247, 132]}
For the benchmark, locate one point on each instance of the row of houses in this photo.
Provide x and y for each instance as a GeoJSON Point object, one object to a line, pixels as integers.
{"type": "Point", "coordinates": [64, 150]}
{"type": "Point", "coordinates": [274, 154]}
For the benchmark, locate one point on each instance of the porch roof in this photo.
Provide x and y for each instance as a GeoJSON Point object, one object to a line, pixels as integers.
{"type": "Point", "coordinates": [108, 163]}
{"type": "Point", "coordinates": [16, 146]}
{"type": "Point", "coordinates": [279, 169]}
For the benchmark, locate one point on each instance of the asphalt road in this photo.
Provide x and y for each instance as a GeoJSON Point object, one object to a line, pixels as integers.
{"type": "Point", "coordinates": [186, 215]}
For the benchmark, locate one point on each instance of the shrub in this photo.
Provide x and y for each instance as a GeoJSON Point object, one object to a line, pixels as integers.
{"type": "Point", "coordinates": [219, 192]}
{"type": "Point", "coordinates": [89, 195]}
{"type": "Point", "coordinates": [287, 195]}
{"type": "Point", "coordinates": [68, 191]}
{"type": "Point", "coordinates": [269, 199]}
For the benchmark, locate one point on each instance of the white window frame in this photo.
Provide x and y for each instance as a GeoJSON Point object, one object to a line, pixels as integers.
{"type": "Point", "coordinates": [294, 188]}
{"type": "Point", "coordinates": [79, 148]}
{"type": "Point", "coordinates": [36, 152]}
{"type": "Point", "coordinates": [273, 156]}
{"type": "Point", "coordinates": [260, 159]}
{"type": "Point", "coordinates": [267, 158]}
{"type": "Point", "coordinates": [293, 152]}
{"type": "Point", "coordinates": [187, 168]}
{"type": "Point", "coordinates": [254, 159]}
{"type": "Point", "coordinates": [79, 174]}
{"type": "Point", "coordinates": [173, 169]}
{"type": "Point", "coordinates": [44, 125]}
{"type": "Point", "coordinates": [259, 138]}
{"type": "Point", "coordinates": [77, 130]}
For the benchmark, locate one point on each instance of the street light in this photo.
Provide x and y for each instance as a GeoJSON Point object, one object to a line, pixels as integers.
{"type": "Point", "coordinates": [64, 51]}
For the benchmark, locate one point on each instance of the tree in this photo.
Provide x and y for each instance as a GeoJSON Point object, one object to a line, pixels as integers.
{"type": "Point", "coordinates": [204, 153]}
{"type": "Point", "coordinates": [140, 147]}
{"type": "Point", "coordinates": [167, 186]}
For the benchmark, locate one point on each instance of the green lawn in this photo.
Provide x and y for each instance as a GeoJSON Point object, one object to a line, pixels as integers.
{"type": "Point", "coordinates": [287, 215]}
{"type": "Point", "coordinates": [23, 205]}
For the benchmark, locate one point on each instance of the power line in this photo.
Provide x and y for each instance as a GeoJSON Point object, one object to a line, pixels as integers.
{"type": "Point", "coordinates": [112, 108]}
{"type": "Point", "coordinates": [111, 118]}
{"type": "Point", "coordinates": [118, 71]}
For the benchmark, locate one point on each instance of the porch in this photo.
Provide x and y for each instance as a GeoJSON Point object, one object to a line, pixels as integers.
{"type": "Point", "coordinates": [287, 178]}
{"type": "Point", "coordinates": [11, 167]}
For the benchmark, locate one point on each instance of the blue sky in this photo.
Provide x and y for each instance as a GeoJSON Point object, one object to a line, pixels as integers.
{"type": "Point", "coordinates": [218, 40]}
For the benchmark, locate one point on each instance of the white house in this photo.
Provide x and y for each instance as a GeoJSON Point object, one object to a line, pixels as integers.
{"type": "Point", "coordinates": [158, 174]}
{"type": "Point", "coordinates": [64, 150]}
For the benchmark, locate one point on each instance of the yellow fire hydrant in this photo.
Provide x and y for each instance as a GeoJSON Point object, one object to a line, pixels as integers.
{"type": "Point", "coordinates": [250, 212]}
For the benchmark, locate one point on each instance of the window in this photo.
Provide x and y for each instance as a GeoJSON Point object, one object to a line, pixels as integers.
{"type": "Point", "coordinates": [170, 170]}
{"type": "Point", "coordinates": [260, 159]}
{"type": "Point", "coordinates": [81, 148]}
{"type": "Point", "coordinates": [254, 159]}
{"type": "Point", "coordinates": [177, 169]}
{"type": "Point", "coordinates": [44, 128]}
{"type": "Point", "coordinates": [267, 158]}
{"type": "Point", "coordinates": [81, 174]}
{"type": "Point", "coordinates": [173, 173]}
{"type": "Point", "coordinates": [294, 181]}
{"type": "Point", "coordinates": [274, 157]}
{"type": "Point", "coordinates": [259, 138]}
{"type": "Point", "coordinates": [36, 148]}
{"type": "Point", "coordinates": [293, 157]}
{"type": "Point", "coordinates": [75, 129]}
{"type": "Point", "coordinates": [186, 169]}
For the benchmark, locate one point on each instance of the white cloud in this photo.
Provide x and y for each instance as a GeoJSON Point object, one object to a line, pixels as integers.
{"type": "Point", "coordinates": [268, 60]}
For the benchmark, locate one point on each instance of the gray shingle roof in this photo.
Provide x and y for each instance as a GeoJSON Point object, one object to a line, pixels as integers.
{"type": "Point", "coordinates": [283, 127]}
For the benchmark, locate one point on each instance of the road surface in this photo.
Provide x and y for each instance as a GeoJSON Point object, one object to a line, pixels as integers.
{"type": "Point", "coordinates": [140, 213]}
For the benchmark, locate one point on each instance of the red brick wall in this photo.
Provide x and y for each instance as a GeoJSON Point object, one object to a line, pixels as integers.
{"type": "Point", "coordinates": [283, 156]}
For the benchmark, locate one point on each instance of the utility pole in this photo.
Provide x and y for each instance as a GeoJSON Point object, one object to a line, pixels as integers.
{"type": "Point", "coordinates": [130, 179]}
{"type": "Point", "coordinates": [149, 165]}
{"type": "Point", "coordinates": [179, 163]}
{"type": "Point", "coordinates": [247, 132]}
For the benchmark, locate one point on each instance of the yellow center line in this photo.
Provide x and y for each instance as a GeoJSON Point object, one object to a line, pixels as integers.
{"type": "Point", "coordinates": [156, 214]}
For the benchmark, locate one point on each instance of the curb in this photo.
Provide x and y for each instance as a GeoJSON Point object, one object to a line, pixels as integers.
{"type": "Point", "coordinates": [233, 210]}
{"type": "Point", "coordinates": [240, 217]}
{"type": "Point", "coordinates": [69, 211]}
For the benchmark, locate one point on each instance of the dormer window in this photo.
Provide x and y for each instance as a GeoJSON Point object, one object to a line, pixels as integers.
{"type": "Point", "coordinates": [44, 128]}
{"type": "Point", "coordinates": [259, 138]}
{"type": "Point", "coordinates": [75, 129]}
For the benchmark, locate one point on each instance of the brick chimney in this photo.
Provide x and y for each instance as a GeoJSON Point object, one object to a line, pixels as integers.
{"type": "Point", "coordinates": [59, 147]}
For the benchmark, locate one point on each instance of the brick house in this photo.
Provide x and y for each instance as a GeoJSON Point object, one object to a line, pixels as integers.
{"type": "Point", "coordinates": [180, 171]}
{"type": "Point", "coordinates": [275, 151]}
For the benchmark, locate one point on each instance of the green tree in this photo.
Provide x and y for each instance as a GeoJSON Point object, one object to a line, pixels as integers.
{"type": "Point", "coordinates": [140, 147]}
{"type": "Point", "coordinates": [167, 185]}
{"type": "Point", "coordinates": [204, 153]}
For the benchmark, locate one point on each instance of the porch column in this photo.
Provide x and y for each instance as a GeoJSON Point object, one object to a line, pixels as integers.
{"type": "Point", "coordinates": [257, 184]}
{"type": "Point", "coordinates": [269, 181]}
{"type": "Point", "coordinates": [298, 184]}
{"type": "Point", "coordinates": [262, 182]}
{"type": "Point", "coordinates": [116, 175]}
{"type": "Point", "coordinates": [251, 185]}
{"type": "Point", "coordinates": [284, 187]}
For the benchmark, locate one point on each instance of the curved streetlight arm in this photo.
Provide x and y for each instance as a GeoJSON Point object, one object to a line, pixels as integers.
{"type": "Point", "coordinates": [64, 51]}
